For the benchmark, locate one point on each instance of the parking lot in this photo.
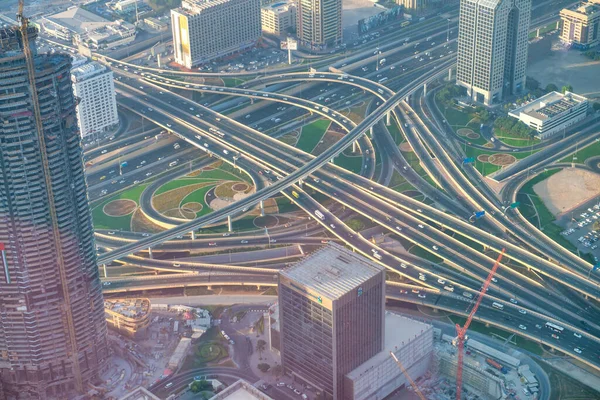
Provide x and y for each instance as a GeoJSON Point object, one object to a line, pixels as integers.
{"type": "Point", "coordinates": [582, 228]}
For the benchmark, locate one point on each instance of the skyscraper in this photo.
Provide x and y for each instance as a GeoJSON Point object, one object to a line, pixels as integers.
{"type": "Point", "coordinates": [52, 329]}
{"type": "Point", "coordinates": [208, 29]}
{"type": "Point", "coordinates": [492, 48]}
{"type": "Point", "coordinates": [319, 23]}
{"type": "Point", "coordinates": [331, 310]}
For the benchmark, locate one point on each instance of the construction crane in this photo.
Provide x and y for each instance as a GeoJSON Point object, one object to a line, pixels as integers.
{"type": "Point", "coordinates": [462, 332]}
{"type": "Point", "coordinates": [413, 384]}
{"type": "Point", "coordinates": [37, 114]}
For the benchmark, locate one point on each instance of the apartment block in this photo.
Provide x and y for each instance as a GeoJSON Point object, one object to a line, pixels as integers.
{"type": "Point", "coordinates": [94, 86]}
{"type": "Point", "coordinates": [580, 24]}
{"type": "Point", "coordinates": [207, 29]}
{"type": "Point", "coordinates": [53, 336]}
{"type": "Point", "coordinates": [492, 48]}
{"type": "Point", "coordinates": [331, 317]}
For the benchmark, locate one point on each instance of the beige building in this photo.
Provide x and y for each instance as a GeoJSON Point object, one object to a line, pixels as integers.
{"type": "Point", "coordinates": [278, 18]}
{"type": "Point", "coordinates": [492, 48]}
{"type": "Point", "coordinates": [207, 29]}
{"type": "Point", "coordinates": [130, 317]}
{"type": "Point", "coordinates": [319, 23]}
{"type": "Point", "coordinates": [580, 25]}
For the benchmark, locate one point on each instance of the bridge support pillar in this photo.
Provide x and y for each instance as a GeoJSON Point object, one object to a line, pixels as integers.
{"type": "Point", "coordinates": [436, 310]}
{"type": "Point", "coordinates": [193, 235]}
{"type": "Point", "coordinates": [537, 32]}
{"type": "Point", "coordinates": [354, 146]}
{"type": "Point", "coordinates": [229, 224]}
{"type": "Point", "coordinates": [251, 100]}
{"type": "Point", "coordinates": [300, 183]}
{"type": "Point", "coordinates": [371, 132]}
{"type": "Point", "coordinates": [209, 287]}
{"type": "Point", "coordinates": [388, 118]}
{"type": "Point", "coordinates": [449, 74]}
{"type": "Point", "coordinates": [262, 208]}
{"type": "Point", "coordinates": [150, 252]}
{"type": "Point", "coordinates": [257, 287]}
{"type": "Point", "coordinates": [104, 269]}
{"type": "Point", "coordinates": [425, 89]}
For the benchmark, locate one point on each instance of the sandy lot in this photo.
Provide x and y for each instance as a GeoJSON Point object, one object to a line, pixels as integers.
{"type": "Point", "coordinates": [567, 189]}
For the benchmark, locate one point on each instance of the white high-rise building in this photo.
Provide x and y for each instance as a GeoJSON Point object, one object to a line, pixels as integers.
{"type": "Point", "coordinates": [97, 109]}
{"type": "Point", "coordinates": [319, 23]}
{"type": "Point", "coordinates": [208, 29]}
{"type": "Point", "coordinates": [492, 48]}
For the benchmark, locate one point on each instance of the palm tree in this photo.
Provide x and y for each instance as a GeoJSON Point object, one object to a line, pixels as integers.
{"type": "Point", "coordinates": [261, 346]}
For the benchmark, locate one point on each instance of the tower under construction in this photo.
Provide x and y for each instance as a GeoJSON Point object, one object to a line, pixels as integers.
{"type": "Point", "coordinates": [53, 337]}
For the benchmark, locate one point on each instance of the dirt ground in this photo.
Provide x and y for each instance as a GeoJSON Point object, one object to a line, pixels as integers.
{"type": "Point", "coordinates": [567, 189]}
{"type": "Point", "coordinates": [119, 208]}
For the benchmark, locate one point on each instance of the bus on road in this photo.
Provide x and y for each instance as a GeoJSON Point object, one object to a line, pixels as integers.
{"type": "Point", "coordinates": [554, 327]}
{"type": "Point", "coordinates": [498, 306]}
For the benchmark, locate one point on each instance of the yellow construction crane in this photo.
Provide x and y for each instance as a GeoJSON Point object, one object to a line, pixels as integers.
{"type": "Point", "coordinates": [68, 312]}
{"type": "Point", "coordinates": [413, 384]}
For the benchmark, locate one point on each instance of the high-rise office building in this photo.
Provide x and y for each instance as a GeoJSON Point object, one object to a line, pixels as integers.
{"type": "Point", "coordinates": [319, 23]}
{"type": "Point", "coordinates": [94, 86]}
{"type": "Point", "coordinates": [492, 48]}
{"type": "Point", "coordinates": [331, 315]}
{"type": "Point", "coordinates": [53, 336]}
{"type": "Point", "coordinates": [208, 29]}
{"type": "Point", "coordinates": [580, 25]}
{"type": "Point", "coordinates": [278, 18]}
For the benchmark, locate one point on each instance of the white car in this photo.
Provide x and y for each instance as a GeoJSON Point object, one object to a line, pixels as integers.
{"type": "Point", "coordinates": [514, 301]}
{"type": "Point", "coordinates": [577, 350]}
{"type": "Point", "coordinates": [435, 247]}
{"type": "Point", "coordinates": [421, 226]}
{"type": "Point", "coordinates": [522, 327]}
{"type": "Point", "coordinates": [522, 311]}
{"type": "Point", "coordinates": [577, 335]}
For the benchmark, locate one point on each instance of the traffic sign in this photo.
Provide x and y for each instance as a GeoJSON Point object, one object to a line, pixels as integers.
{"type": "Point", "coordinates": [468, 160]}
{"type": "Point", "coordinates": [515, 204]}
{"type": "Point", "coordinates": [479, 214]}
{"type": "Point", "coordinates": [596, 267]}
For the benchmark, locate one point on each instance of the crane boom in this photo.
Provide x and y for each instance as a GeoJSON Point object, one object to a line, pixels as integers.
{"type": "Point", "coordinates": [462, 332]}
{"type": "Point", "coordinates": [37, 114]}
{"type": "Point", "coordinates": [412, 383]}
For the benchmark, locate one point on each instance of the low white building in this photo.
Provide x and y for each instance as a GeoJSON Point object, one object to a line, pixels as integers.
{"type": "Point", "coordinates": [552, 113]}
{"type": "Point", "coordinates": [93, 85]}
{"type": "Point", "coordinates": [411, 342]}
{"type": "Point", "coordinates": [180, 353]}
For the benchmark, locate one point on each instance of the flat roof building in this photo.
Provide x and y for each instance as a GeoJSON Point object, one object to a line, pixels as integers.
{"type": "Point", "coordinates": [180, 353]}
{"type": "Point", "coordinates": [207, 29]}
{"type": "Point", "coordinates": [93, 85]}
{"type": "Point", "coordinates": [156, 24]}
{"type": "Point", "coordinates": [411, 342]}
{"type": "Point", "coordinates": [331, 307]}
{"type": "Point", "coordinates": [278, 18]}
{"type": "Point", "coordinates": [492, 48]}
{"type": "Point", "coordinates": [552, 113]}
{"type": "Point", "coordinates": [130, 317]}
{"type": "Point", "coordinates": [241, 390]}
{"type": "Point", "coordinates": [580, 24]}
{"type": "Point", "coordinates": [80, 26]}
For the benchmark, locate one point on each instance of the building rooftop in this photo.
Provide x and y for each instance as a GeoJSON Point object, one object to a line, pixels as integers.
{"type": "Point", "coordinates": [87, 70]}
{"type": "Point", "coordinates": [399, 331]}
{"type": "Point", "coordinates": [140, 393]}
{"type": "Point", "coordinates": [131, 308]}
{"type": "Point", "coordinates": [280, 6]}
{"type": "Point", "coordinates": [549, 105]}
{"type": "Point", "coordinates": [241, 390]}
{"type": "Point", "coordinates": [332, 271]}
{"type": "Point", "coordinates": [192, 7]}
{"type": "Point", "coordinates": [587, 8]}
{"type": "Point", "coordinates": [78, 20]}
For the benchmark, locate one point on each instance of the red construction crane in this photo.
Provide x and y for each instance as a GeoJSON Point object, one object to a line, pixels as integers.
{"type": "Point", "coordinates": [462, 332]}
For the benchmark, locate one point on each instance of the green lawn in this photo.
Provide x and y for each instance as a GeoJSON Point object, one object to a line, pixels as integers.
{"type": "Point", "coordinates": [426, 254]}
{"type": "Point", "coordinates": [516, 141]}
{"type": "Point", "coordinates": [487, 168]}
{"type": "Point", "coordinates": [285, 205]}
{"type": "Point", "coordinates": [232, 82]}
{"type": "Point", "coordinates": [198, 196]}
{"type": "Point", "coordinates": [395, 132]}
{"type": "Point", "coordinates": [462, 118]}
{"type": "Point", "coordinates": [353, 164]}
{"type": "Point", "coordinates": [103, 221]}
{"type": "Point", "coordinates": [584, 153]}
{"type": "Point", "coordinates": [177, 183]}
{"type": "Point", "coordinates": [311, 134]}
{"type": "Point", "coordinates": [468, 242]}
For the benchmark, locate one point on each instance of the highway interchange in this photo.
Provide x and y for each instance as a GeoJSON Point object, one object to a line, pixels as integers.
{"type": "Point", "coordinates": [450, 285]}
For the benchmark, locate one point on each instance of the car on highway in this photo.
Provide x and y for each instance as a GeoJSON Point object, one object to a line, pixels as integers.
{"type": "Point", "coordinates": [467, 295]}
{"type": "Point", "coordinates": [106, 284]}
{"type": "Point", "coordinates": [111, 232]}
{"type": "Point", "coordinates": [243, 241]}
{"type": "Point", "coordinates": [212, 243]}
{"type": "Point", "coordinates": [104, 151]}
{"type": "Point", "coordinates": [272, 240]}
{"type": "Point", "coordinates": [281, 384]}
{"type": "Point", "coordinates": [435, 247]}
{"type": "Point", "coordinates": [555, 336]}
{"type": "Point", "coordinates": [522, 311]}
{"type": "Point", "coordinates": [421, 226]}
{"type": "Point", "coordinates": [514, 301]}
{"type": "Point", "coordinates": [538, 326]}
{"type": "Point", "coordinates": [226, 234]}
{"type": "Point", "coordinates": [176, 265]}
{"type": "Point", "coordinates": [522, 327]}
{"type": "Point", "coordinates": [421, 295]}
{"type": "Point", "coordinates": [577, 350]}
{"type": "Point", "coordinates": [332, 226]}
{"type": "Point", "coordinates": [577, 335]}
